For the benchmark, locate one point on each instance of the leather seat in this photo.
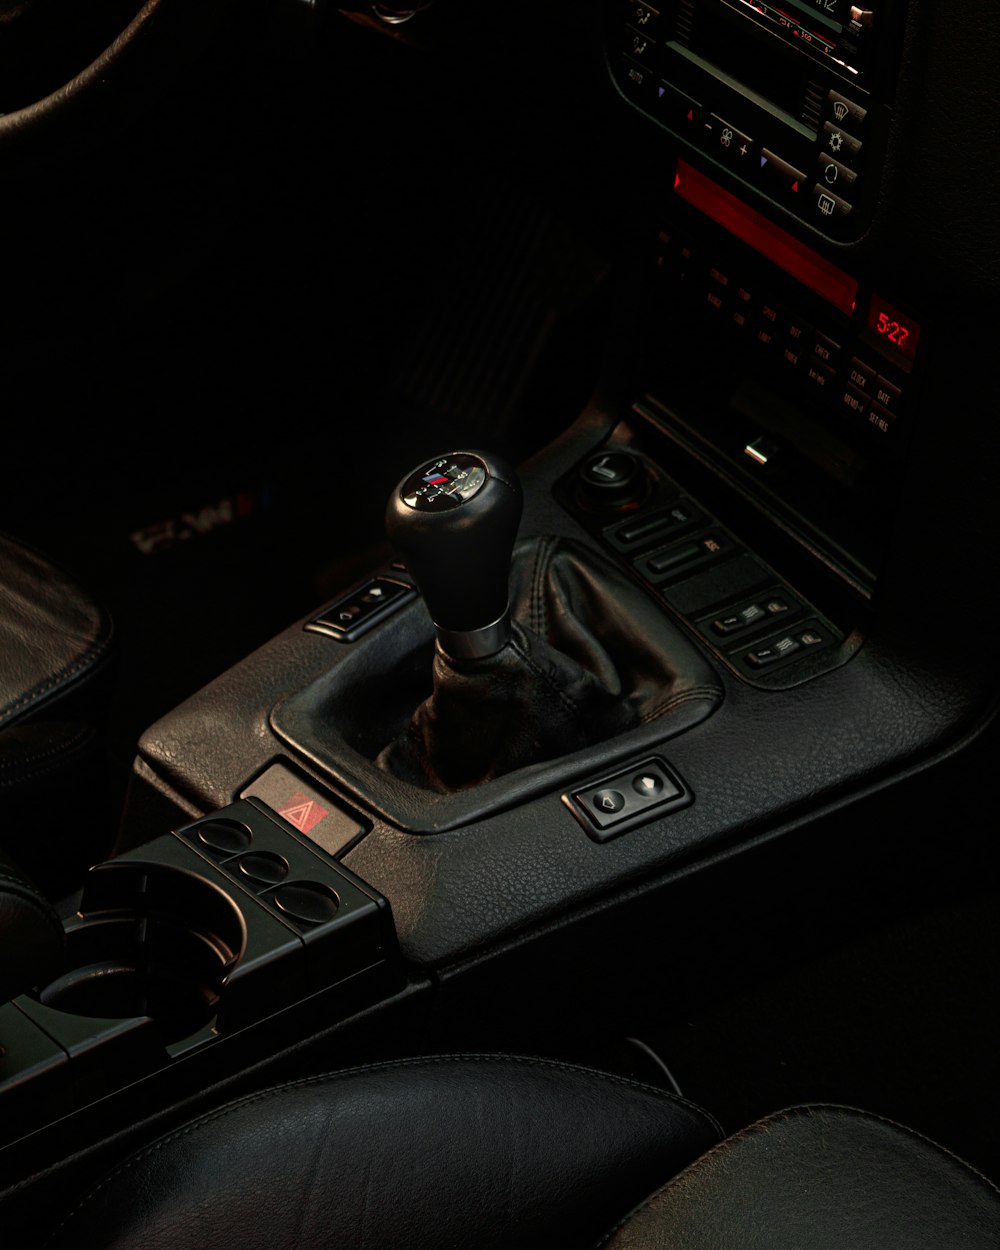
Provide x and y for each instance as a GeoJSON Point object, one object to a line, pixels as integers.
{"type": "Point", "coordinates": [492, 1151]}
{"type": "Point", "coordinates": [57, 653]}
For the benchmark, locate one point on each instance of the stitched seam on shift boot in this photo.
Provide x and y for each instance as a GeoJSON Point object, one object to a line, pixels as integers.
{"type": "Point", "coordinates": [537, 615]}
{"type": "Point", "coordinates": [676, 700]}
{"type": "Point", "coordinates": [571, 706]}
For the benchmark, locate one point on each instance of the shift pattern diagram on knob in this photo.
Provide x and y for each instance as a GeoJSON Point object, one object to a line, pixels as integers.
{"type": "Point", "coordinates": [454, 521]}
{"type": "Point", "coordinates": [447, 483]}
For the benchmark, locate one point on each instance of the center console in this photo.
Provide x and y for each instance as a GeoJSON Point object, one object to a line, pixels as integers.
{"type": "Point", "coordinates": [189, 960]}
{"type": "Point", "coordinates": [776, 346]}
{"type": "Point", "coordinates": [710, 537]}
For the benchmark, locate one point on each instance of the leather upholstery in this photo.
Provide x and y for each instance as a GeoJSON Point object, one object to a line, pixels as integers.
{"type": "Point", "coordinates": [57, 649]}
{"type": "Point", "coordinates": [597, 671]}
{"type": "Point", "coordinates": [53, 636]}
{"type": "Point", "coordinates": [819, 1178]}
{"type": "Point", "coordinates": [590, 658]}
{"type": "Point", "coordinates": [464, 1151]}
{"type": "Point", "coordinates": [496, 1151]}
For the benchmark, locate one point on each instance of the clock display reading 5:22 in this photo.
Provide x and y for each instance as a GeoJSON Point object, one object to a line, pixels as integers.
{"type": "Point", "coordinates": [893, 328]}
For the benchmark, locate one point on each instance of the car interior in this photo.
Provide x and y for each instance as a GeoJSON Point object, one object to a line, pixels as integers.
{"type": "Point", "coordinates": [496, 708]}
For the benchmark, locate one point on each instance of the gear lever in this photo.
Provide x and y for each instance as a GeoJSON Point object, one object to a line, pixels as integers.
{"type": "Point", "coordinates": [454, 521]}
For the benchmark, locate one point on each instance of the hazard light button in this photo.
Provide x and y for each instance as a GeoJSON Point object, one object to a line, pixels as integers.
{"type": "Point", "coordinates": [315, 813]}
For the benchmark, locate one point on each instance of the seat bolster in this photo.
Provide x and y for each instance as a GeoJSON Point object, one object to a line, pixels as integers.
{"type": "Point", "coordinates": [54, 637]}
{"type": "Point", "coordinates": [820, 1177]}
{"type": "Point", "coordinates": [474, 1150]}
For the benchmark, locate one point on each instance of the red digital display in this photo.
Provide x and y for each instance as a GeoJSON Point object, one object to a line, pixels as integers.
{"type": "Point", "coordinates": [895, 330]}
{"type": "Point", "coordinates": [771, 241]}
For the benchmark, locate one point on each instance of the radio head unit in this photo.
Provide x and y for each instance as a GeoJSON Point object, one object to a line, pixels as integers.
{"type": "Point", "coordinates": [793, 97]}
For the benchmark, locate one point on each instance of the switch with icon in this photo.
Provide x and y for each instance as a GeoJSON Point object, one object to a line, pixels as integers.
{"type": "Point", "coordinates": [614, 804]}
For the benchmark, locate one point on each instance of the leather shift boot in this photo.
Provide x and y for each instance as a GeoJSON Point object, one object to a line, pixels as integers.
{"type": "Point", "coordinates": [583, 664]}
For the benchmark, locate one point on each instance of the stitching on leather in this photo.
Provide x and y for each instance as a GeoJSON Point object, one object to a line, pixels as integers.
{"type": "Point", "coordinates": [538, 614]}
{"type": "Point", "coordinates": [44, 760]}
{"type": "Point", "coordinates": [675, 700]}
{"type": "Point", "coordinates": [806, 1109]}
{"type": "Point", "coordinates": [790, 1113]}
{"type": "Point", "coordinates": [569, 704]}
{"type": "Point", "coordinates": [332, 1077]}
{"type": "Point", "coordinates": [63, 678]}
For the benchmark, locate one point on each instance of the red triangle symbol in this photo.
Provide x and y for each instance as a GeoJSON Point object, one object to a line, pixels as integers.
{"type": "Point", "coordinates": [690, 115]}
{"type": "Point", "coordinates": [298, 816]}
{"type": "Point", "coordinates": [795, 186]}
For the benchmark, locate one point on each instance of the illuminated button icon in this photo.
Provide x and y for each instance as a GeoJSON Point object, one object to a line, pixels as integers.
{"type": "Point", "coordinates": [609, 801]}
{"type": "Point", "coordinates": [841, 142]}
{"type": "Point", "coordinates": [648, 785]}
{"type": "Point", "coordinates": [602, 469]}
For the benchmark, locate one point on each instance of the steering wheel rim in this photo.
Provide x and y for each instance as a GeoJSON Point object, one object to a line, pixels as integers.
{"type": "Point", "coordinates": [103, 97]}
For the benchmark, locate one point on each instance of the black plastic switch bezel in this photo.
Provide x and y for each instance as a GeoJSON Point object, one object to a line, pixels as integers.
{"type": "Point", "coordinates": [637, 808]}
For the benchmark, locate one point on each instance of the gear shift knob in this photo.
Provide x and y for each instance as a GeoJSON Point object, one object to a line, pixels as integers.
{"type": "Point", "coordinates": [454, 521]}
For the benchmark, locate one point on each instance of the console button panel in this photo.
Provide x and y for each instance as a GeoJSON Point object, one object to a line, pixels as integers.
{"type": "Point", "coordinates": [619, 802]}
{"type": "Point", "coordinates": [355, 614]}
{"type": "Point", "coordinates": [764, 629]}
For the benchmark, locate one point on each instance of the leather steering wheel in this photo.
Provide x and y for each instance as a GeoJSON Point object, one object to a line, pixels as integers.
{"type": "Point", "coordinates": [69, 73]}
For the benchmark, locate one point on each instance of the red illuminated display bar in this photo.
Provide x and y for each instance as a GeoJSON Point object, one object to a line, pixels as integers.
{"type": "Point", "coordinates": [807, 266]}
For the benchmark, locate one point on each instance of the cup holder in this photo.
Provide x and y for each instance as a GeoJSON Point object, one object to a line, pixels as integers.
{"type": "Point", "coordinates": [149, 940]}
